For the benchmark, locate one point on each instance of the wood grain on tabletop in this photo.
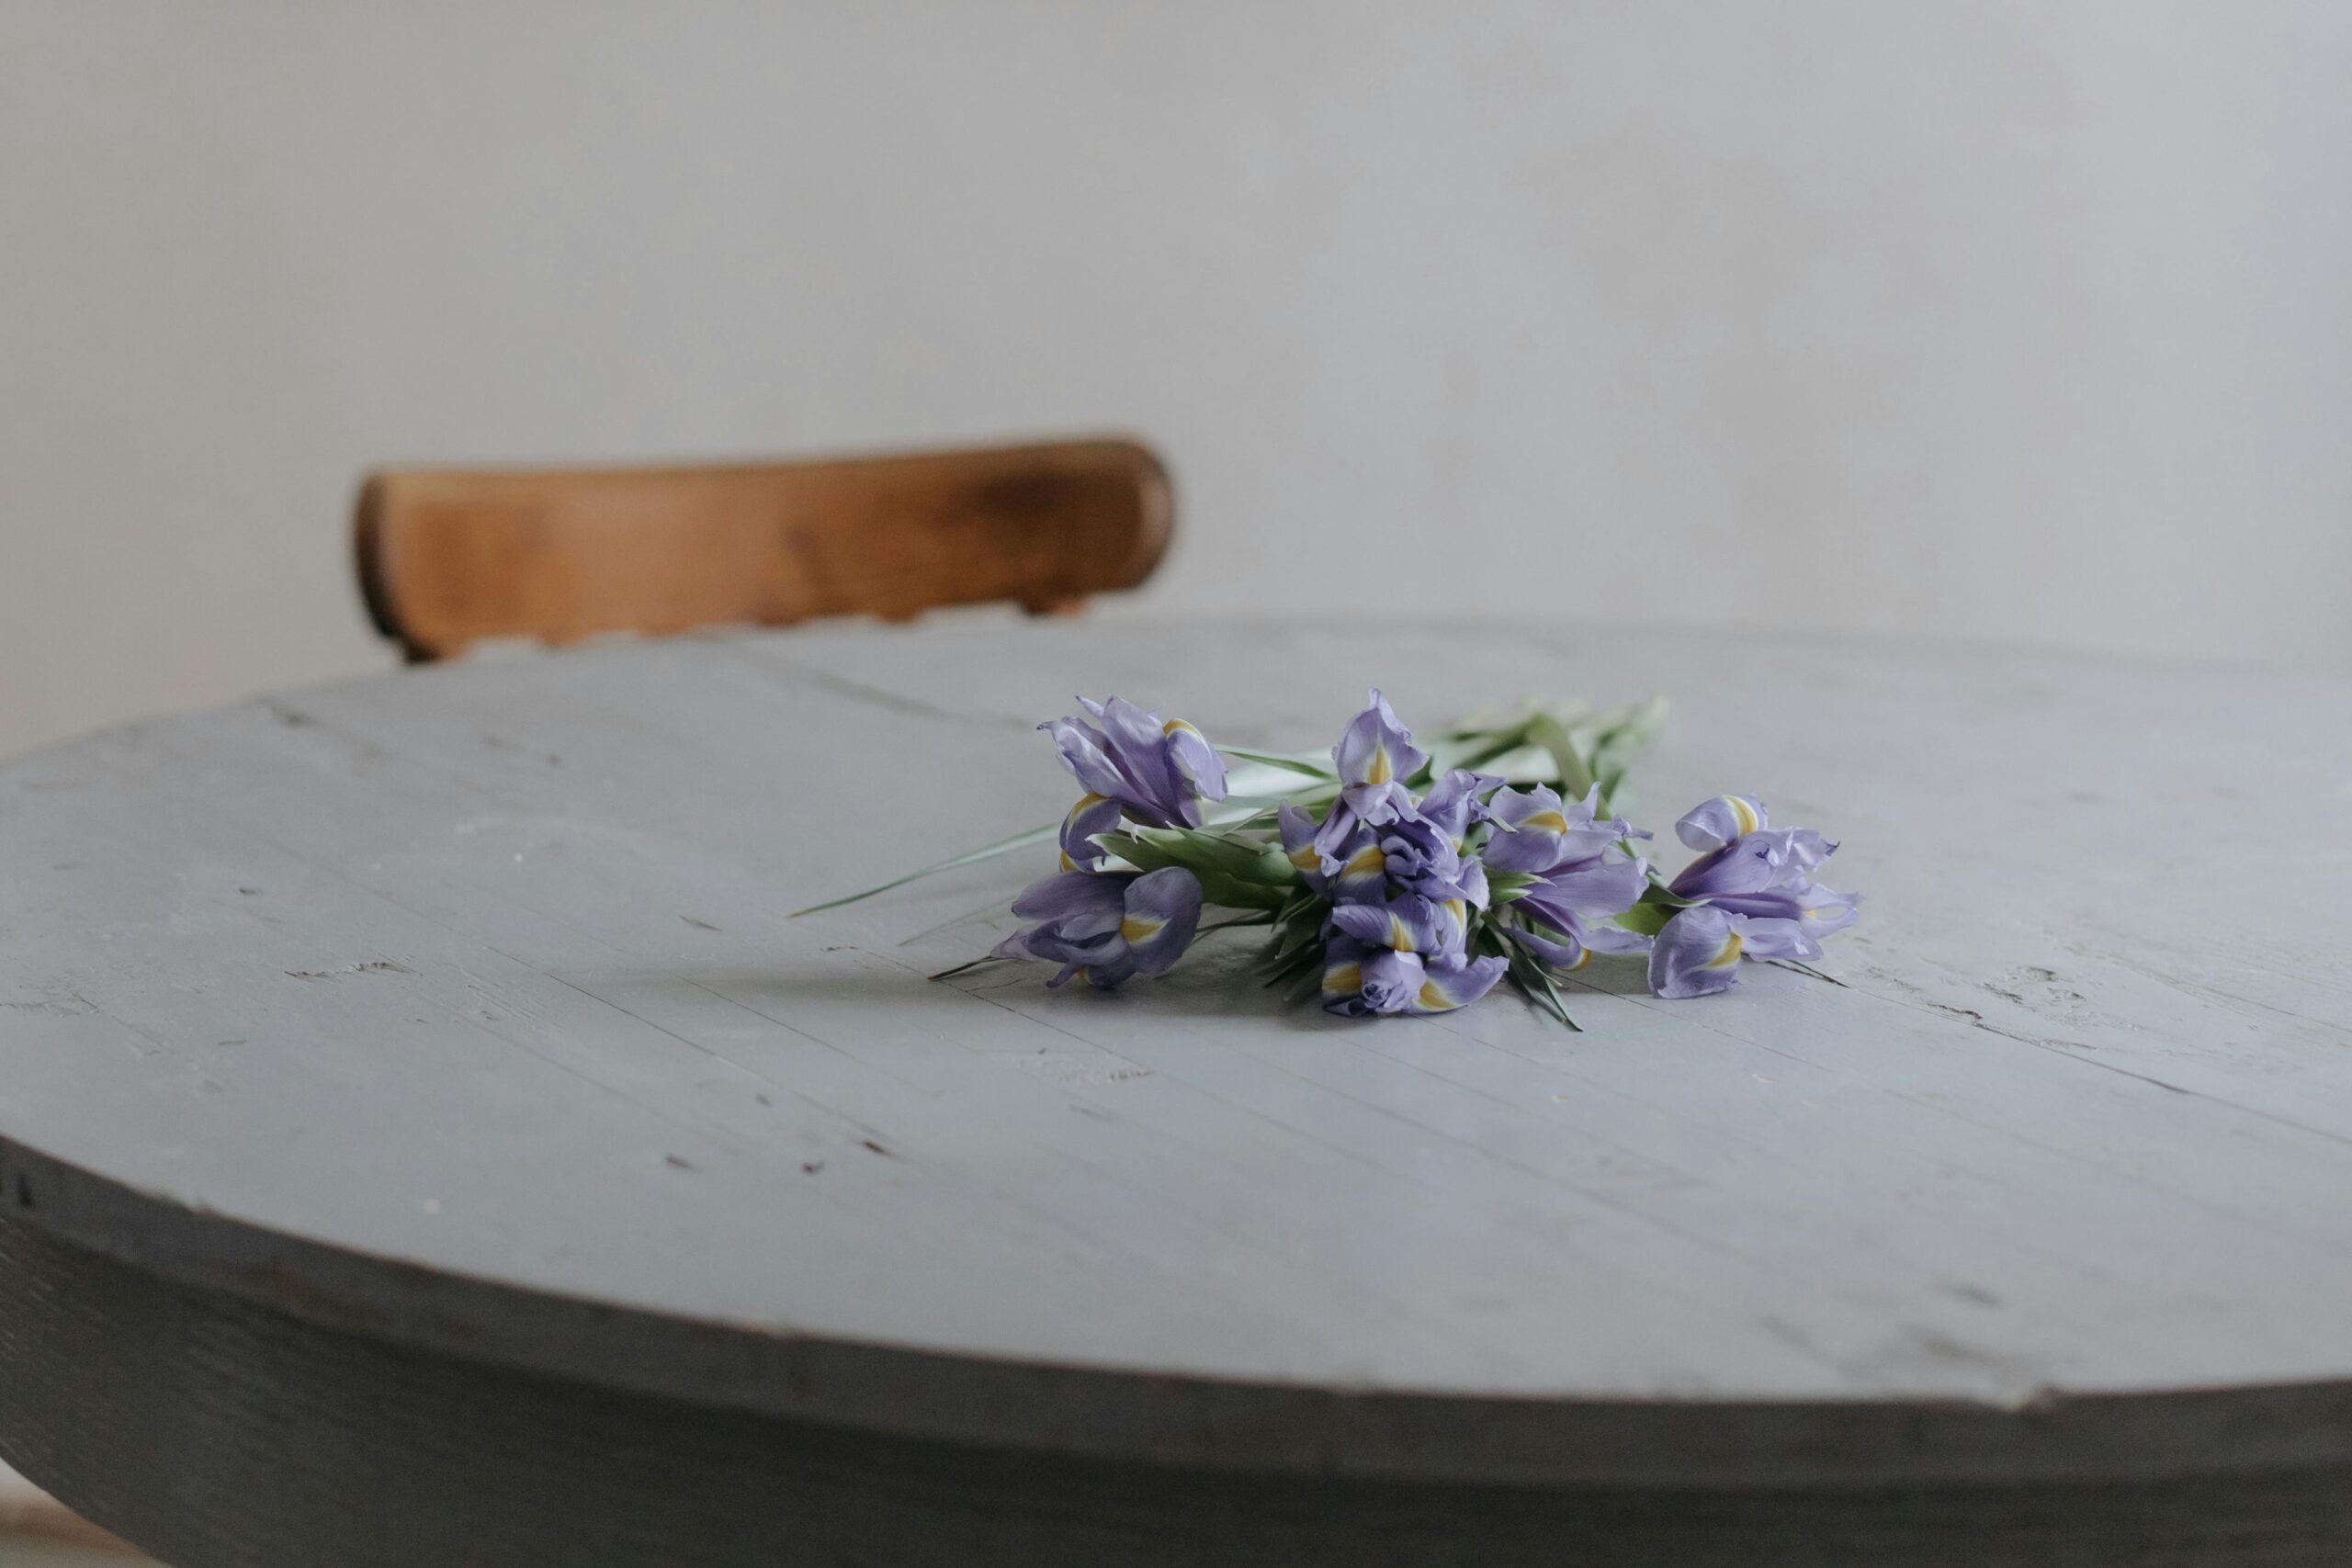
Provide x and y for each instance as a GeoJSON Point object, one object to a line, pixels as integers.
{"type": "Point", "coordinates": [462, 1008]}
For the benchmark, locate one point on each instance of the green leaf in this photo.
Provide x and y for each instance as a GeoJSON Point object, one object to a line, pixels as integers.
{"type": "Point", "coordinates": [1236, 922]}
{"type": "Point", "coordinates": [1232, 872]}
{"type": "Point", "coordinates": [970, 857]}
{"type": "Point", "coordinates": [1645, 919]}
{"type": "Point", "coordinates": [1662, 892]}
{"type": "Point", "coordinates": [1308, 960]}
{"type": "Point", "coordinates": [1248, 859]}
{"type": "Point", "coordinates": [1508, 887]}
{"type": "Point", "coordinates": [950, 974]}
{"type": "Point", "coordinates": [1803, 969]}
{"type": "Point", "coordinates": [1534, 983]}
{"type": "Point", "coordinates": [1294, 932]}
{"type": "Point", "coordinates": [1478, 748]}
{"type": "Point", "coordinates": [1576, 777]}
{"type": "Point", "coordinates": [1308, 985]}
{"type": "Point", "coordinates": [1484, 938]}
{"type": "Point", "coordinates": [1612, 743]}
{"type": "Point", "coordinates": [1310, 763]}
{"type": "Point", "coordinates": [1634, 725]}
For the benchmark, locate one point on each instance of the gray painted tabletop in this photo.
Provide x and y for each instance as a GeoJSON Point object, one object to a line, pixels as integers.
{"type": "Point", "coordinates": [462, 1008]}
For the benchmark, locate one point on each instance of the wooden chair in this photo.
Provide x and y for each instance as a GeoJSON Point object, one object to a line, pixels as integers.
{"type": "Point", "coordinates": [449, 557]}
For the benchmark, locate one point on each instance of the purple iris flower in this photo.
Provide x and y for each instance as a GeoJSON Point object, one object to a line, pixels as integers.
{"type": "Point", "coordinates": [1355, 867]}
{"type": "Point", "coordinates": [1749, 867]}
{"type": "Point", "coordinates": [1753, 896]}
{"type": "Point", "coordinates": [1537, 832]}
{"type": "Point", "coordinates": [1698, 953]}
{"type": "Point", "coordinates": [1458, 800]}
{"type": "Point", "coordinates": [1374, 757]}
{"type": "Point", "coordinates": [1584, 875]}
{"type": "Point", "coordinates": [1402, 891]}
{"type": "Point", "coordinates": [1721, 827]}
{"type": "Point", "coordinates": [1376, 750]}
{"type": "Point", "coordinates": [1158, 771]}
{"type": "Point", "coordinates": [1300, 832]}
{"type": "Point", "coordinates": [1106, 928]}
{"type": "Point", "coordinates": [1351, 860]}
{"type": "Point", "coordinates": [1360, 980]}
{"type": "Point", "coordinates": [1434, 927]}
{"type": "Point", "coordinates": [1344, 958]}
{"type": "Point", "coordinates": [1093, 814]}
{"type": "Point", "coordinates": [1423, 855]}
{"type": "Point", "coordinates": [1379, 838]}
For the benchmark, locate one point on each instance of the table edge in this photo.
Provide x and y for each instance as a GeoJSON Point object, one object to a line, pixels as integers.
{"type": "Point", "coordinates": [1181, 1418]}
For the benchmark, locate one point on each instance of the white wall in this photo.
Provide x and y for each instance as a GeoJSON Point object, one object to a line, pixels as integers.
{"type": "Point", "coordinates": [2012, 320]}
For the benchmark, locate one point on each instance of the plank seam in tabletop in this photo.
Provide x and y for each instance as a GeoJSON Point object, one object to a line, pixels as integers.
{"type": "Point", "coordinates": [1862, 990]}
{"type": "Point", "coordinates": [1399, 1113]}
{"type": "Point", "coordinates": [858, 690]}
{"type": "Point", "coordinates": [1973, 1020]}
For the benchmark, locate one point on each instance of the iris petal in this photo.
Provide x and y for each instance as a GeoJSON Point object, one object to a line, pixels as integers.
{"type": "Point", "coordinates": [1163, 911]}
{"type": "Point", "coordinates": [1093, 814]}
{"type": "Point", "coordinates": [1376, 749]}
{"type": "Point", "coordinates": [1158, 772]}
{"type": "Point", "coordinates": [1725, 820]}
{"type": "Point", "coordinates": [1448, 984]}
{"type": "Point", "coordinates": [1697, 954]}
{"type": "Point", "coordinates": [1392, 981]}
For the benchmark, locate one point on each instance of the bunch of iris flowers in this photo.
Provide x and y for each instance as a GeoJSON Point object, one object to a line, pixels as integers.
{"type": "Point", "coordinates": [1394, 880]}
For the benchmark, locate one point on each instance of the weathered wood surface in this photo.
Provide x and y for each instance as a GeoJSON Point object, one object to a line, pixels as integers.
{"type": "Point", "coordinates": [460, 1011]}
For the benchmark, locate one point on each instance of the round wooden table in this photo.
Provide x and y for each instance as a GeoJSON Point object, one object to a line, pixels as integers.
{"type": "Point", "coordinates": [425, 1138]}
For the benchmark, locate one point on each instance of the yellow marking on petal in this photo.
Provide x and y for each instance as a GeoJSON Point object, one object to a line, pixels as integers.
{"type": "Point", "coordinates": [1369, 860]}
{"type": "Point", "coordinates": [1082, 973]}
{"type": "Point", "coordinates": [1173, 725]}
{"type": "Point", "coordinates": [1742, 813]}
{"type": "Point", "coordinates": [1728, 954]}
{"type": "Point", "coordinates": [1459, 910]}
{"type": "Point", "coordinates": [1068, 864]}
{"type": "Point", "coordinates": [1343, 980]}
{"type": "Point", "coordinates": [1307, 858]}
{"type": "Point", "coordinates": [1583, 958]}
{"type": "Point", "coordinates": [1435, 999]}
{"type": "Point", "coordinates": [1545, 821]}
{"type": "Point", "coordinates": [1399, 937]}
{"type": "Point", "coordinates": [1382, 770]}
{"type": "Point", "coordinates": [1139, 928]}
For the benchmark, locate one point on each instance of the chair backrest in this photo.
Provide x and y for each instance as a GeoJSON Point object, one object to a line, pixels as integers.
{"type": "Point", "coordinates": [451, 557]}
